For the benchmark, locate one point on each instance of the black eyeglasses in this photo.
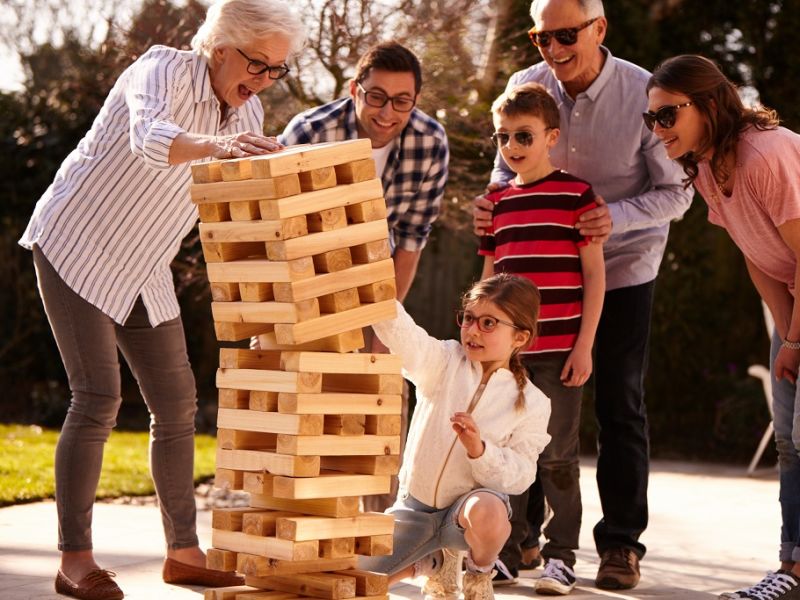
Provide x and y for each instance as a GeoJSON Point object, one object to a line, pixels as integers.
{"type": "Point", "coordinates": [485, 323]}
{"type": "Point", "coordinates": [379, 100]}
{"type": "Point", "coordinates": [565, 37]}
{"type": "Point", "coordinates": [523, 138]}
{"type": "Point", "coordinates": [664, 116]}
{"type": "Point", "coordinates": [257, 67]}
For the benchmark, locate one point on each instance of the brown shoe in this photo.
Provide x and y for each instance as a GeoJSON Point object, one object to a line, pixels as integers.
{"type": "Point", "coordinates": [619, 570]}
{"type": "Point", "coordinates": [185, 574]}
{"type": "Point", "coordinates": [97, 585]}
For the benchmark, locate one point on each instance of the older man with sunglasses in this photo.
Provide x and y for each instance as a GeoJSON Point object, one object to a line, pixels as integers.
{"type": "Point", "coordinates": [604, 141]}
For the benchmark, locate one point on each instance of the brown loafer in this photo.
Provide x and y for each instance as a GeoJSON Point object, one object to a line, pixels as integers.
{"type": "Point", "coordinates": [97, 585]}
{"type": "Point", "coordinates": [184, 574]}
{"type": "Point", "coordinates": [619, 569]}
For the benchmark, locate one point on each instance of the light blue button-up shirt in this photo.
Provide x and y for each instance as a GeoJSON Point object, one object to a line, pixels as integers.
{"type": "Point", "coordinates": [604, 141]}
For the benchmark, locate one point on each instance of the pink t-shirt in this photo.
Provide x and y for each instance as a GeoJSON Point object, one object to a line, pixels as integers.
{"type": "Point", "coordinates": [766, 194]}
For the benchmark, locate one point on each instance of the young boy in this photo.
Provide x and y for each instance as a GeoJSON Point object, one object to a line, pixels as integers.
{"type": "Point", "coordinates": [533, 234]}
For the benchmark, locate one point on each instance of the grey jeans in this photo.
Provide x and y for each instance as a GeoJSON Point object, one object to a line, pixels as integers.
{"type": "Point", "coordinates": [88, 340]}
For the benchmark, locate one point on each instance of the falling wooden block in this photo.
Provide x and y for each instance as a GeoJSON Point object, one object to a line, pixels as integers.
{"type": "Point", "coordinates": [326, 362]}
{"type": "Point", "coordinates": [262, 401]}
{"type": "Point", "coordinates": [363, 212]}
{"type": "Point", "coordinates": [375, 545]}
{"type": "Point", "coordinates": [228, 479]}
{"type": "Point", "coordinates": [317, 179]}
{"type": "Point", "coordinates": [345, 424]}
{"type": "Point", "coordinates": [329, 283]}
{"type": "Point", "coordinates": [378, 291]}
{"type": "Point", "coordinates": [338, 548]}
{"type": "Point", "coordinates": [252, 292]}
{"type": "Point", "coordinates": [257, 567]}
{"type": "Point", "coordinates": [271, 547]}
{"type": "Point", "coordinates": [370, 252]}
{"type": "Point", "coordinates": [278, 464]}
{"type": "Point", "coordinates": [315, 585]}
{"type": "Point", "coordinates": [235, 439]}
{"type": "Point", "coordinates": [340, 403]}
{"type": "Point", "coordinates": [327, 220]}
{"type": "Point", "coordinates": [214, 212]}
{"type": "Point", "coordinates": [215, 252]}
{"type": "Point", "coordinates": [347, 341]}
{"type": "Point", "coordinates": [230, 519]}
{"type": "Point", "coordinates": [326, 325]}
{"type": "Point", "coordinates": [334, 445]}
{"type": "Point", "coordinates": [261, 270]}
{"type": "Point", "coordinates": [363, 383]}
{"type": "Point", "coordinates": [225, 560]}
{"type": "Point", "coordinates": [340, 506]}
{"type": "Point", "coordinates": [233, 398]}
{"type": "Point", "coordinates": [263, 522]}
{"type": "Point", "coordinates": [383, 424]}
{"type": "Point", "coordinates": [339, 301]}
{"type": "Point", "coordinates": [368, 583]}
{"type": "Point", "coordinates": [328, 485]}
{"type": "Point", "coordinates": [300, 528]}
{"type": "Point", "coordinates": [225, 292]}
{"type": "Point", "coordinates": [269, 381]}
{"type": "Point", "coordinates": [307, 203]}
{"type": "Point", "coordinates": [325, 241]}
{"type": "Point", "coordinates": [354, 171]}
{"type": "Point", "coordinates": [270, 422]}
{"type": "Point", "coordinates": [265, 312]}
{"type": "Point", "coordinates": [207, 172]}
{"type": "Point", "coordinates": [307, 157]}
{"type": "Point", "coordinates": [366, 465]}
{"type": "Point", "coordinates": [245, 191]}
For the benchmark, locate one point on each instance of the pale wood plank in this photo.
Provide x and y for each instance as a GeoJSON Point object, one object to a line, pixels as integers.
{"type": "Point", "coordinates": [261, 270]}
{"type": "Point", "coordinates": [334, 445]}
{"type": "Point", "coordinates": [327, 325]}
{"type": "Point", "coordinates": [272, 547]}
{"type": "Point", "coordinates": [328, 485]}
{"type": "Point", "coordinates": [340, 403]}
{"type": "Point", "coordinates": [278, 464]}
{"type": "Point", "coordinates": [325, 241]}
{"type": "Point", "coordinates": [309, 202]}
{"type": "Point", "coordinates": [329, 283]}
{"type": "Point", "coordinates": [316, 528]}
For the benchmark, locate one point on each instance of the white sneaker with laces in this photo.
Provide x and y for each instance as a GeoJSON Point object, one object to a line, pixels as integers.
{"type": "Point", "coordinates": [779, 585]}
{"type": "Point", "coordinates": [557, 580]}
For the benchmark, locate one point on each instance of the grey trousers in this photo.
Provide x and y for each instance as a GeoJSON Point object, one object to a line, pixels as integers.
{"type": "Point", "coordinates": [88, 340]}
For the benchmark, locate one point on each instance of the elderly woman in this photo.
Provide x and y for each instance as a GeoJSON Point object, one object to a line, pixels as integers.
{"type": "Point", "coordinates": [103, 236]}
{"type": "Point", "coordinates": [747, 168]}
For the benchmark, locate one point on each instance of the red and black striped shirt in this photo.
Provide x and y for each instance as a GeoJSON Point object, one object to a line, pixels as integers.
{"type": "Point", "coordinates": [534, 234]}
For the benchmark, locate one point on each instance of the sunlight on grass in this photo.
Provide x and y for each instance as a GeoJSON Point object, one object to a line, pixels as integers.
{"type": "Point", "coordinates": [27, 453]}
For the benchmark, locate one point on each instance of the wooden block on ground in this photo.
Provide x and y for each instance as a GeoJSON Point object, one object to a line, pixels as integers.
{"type": "Point", "coordinates": [365, 465]}
{"type": "Point", "coordinates": [306, 157]}
{"type": "Point", "coordinates": [214, 212]}
{"type": "Point", "coordinates": [234, 439]}
{"type": "Point", "coordinates": [207, 172]}
{"type": "Point", "coordinates": [262, 401]}
{"type": "Point", "coordinates": [329, 485]}
{"type": "Point", "coordinates": [327, 220]}
{"type": "Point", "coordinates": [340, 506]}
{"type": "Point", "coordinates": [243, 191]}
{"type": "Point", "coordinates": [270, 422]}
{"type": "Point", "coordinates": [230, 593]}
{"type": "Point", "coordinates": [225, 560]}
{"type": "Point", "coordinates": [230, 519]}
{"type": "Point", "coordinates": [271, 547]}
{"type": "Point", "coordinates": [363, 384]}
{"type": "Point", "coordinates": [340, 403]}
{"type": "Point", "coordinates": [262, 595]}
{"type": "Point", "coordinates": [383, 424]}
{"type": "Point", "coordinates": [378, 291]}
{"type": "Point", "coordinates": [257, 567]}
{"type": "Point", "coordinates": [345, 424]}
{"type": "Point", "coordinates": [309, 202]}
{"type": "Point", "coordinates": [326, 362]}
{"type": "Point", "coordinates": [368, 583]}
{"type": "Point", "coordinates": [337, 548]}
{"type": "Point", "coordinates": [325, 241]}
{"type": "Point", "coordinates": [230, 479]}
{"type": "Point", "coordinates": [317, 179]}
{"type": "Point", "coordinates": [263, 522]}
{"type": "Point", "coordinates": [277, 464]}
{"type": "Point", "coordinates": [259, 270]}
{"type": "Point", "coordinates": [341, 342]}
{"type": "Point", "coordinates": [233, 398]}
{"type": "Point", "coordinates": [233, 332]}
{"type": "Point", "coordinates": [354, 171]}
{"type": "Point", "coordinates": [316, 585]}
{"type": "Point", "coordinates": [269, 381]}
{"type": "Point", "coordinates": [370, 252]}
{"type": "Point", "coordinates": [254, 230]}
{"type": "Point", "coordinates": [265, 312]}
{"type": "Point", "coordinates": [339, 301]}
{"type": "Point", "coordinates": [328, 283]}
{"type": "Point", "coordinates": [215, 252]}
{"type": "Point", "coordinates": [327, 325]}
{"type": "Point", "coordinates": [302, 528]}
{"type": "Point", "coordinates": [252, 292]}
{"type": "Point", "coordinates": [225, 292]}
{"type": "Point", "coordinates": [334, 445]}
{"type": "Point", "coordinates": [332, 261]}
{"type": "Point", "coordinates": [363, 212]}
{"type": "Point", "coordinates": [375, 545]}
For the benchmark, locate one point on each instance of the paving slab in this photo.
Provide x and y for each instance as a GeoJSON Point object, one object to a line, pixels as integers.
{"type": "Point", "coordinates": [711, 529]}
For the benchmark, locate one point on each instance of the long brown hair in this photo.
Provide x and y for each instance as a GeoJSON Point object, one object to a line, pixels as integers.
{"type": "Point", "coordinates": [717, 99]}
{"type": "Point", "coordinates": [519, 298]}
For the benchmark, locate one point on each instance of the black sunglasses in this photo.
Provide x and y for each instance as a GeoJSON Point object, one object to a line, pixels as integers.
{"type": "Point", "coordinates": [565, 37]}
{"type": "Point", "coordinates": [523, 138]}
{"type": "Point", "coordinates": [379, 100]}
{"type": "Point", "coordinates": [664, 116]}
{"type": "Point", "coordinates": [257, 67]}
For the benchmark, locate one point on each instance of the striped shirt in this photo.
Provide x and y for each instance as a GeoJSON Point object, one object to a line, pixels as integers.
{"type": "Point", "coordinates": [415, 173]}
{"type": "Point", "coordinates": [534, 234]}
{"type": "Point", "coordinates": [113, 219]}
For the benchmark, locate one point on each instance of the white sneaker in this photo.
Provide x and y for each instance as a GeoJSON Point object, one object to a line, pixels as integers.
{"type": "Point", "coordinates": [557, 580]}
{"type": "Point", "coordinates": [780, 585]}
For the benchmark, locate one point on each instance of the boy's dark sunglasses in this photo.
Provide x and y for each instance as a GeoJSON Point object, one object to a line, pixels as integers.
{"type": "Point", "coordinates": [485, 323]}
{"type": "Point", "coordinates": [664, 116]}
{"type": "Point", "coordinates": [565, 37]}
{"type": "Point", "coordinates": [257, 67]}
{"type": "Point", "coordinates": [523, 138]}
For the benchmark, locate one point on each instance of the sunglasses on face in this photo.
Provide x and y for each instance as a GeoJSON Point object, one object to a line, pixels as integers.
{"type": "Point", "coordinates": [379, 100]}
{"type": "Point", "coordinates": [523, 138]}
{"type": "Point", "coordinates": [485, 323]}
{"type": "Point", "coordinates": [566, 37]}
{"type": "Point", "coordinates": [257, 67]}
{"type": "Point", "coordinates": [664, 116]}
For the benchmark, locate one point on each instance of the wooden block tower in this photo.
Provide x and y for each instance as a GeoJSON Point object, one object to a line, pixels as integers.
{"type": "Point", "coordinates": [296, 245]}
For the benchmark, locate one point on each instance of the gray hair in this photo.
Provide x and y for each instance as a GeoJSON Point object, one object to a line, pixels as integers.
{"type": "Point", "coordinates": [235, 23]}
{"type": "Point", "coordinates": [591, 8]}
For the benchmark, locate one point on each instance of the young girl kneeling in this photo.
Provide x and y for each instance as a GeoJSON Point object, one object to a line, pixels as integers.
{"type": "Point", "coordinates": [478, 429]}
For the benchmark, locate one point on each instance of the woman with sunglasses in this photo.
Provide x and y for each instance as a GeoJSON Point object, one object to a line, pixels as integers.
{"type": "Point", "coordinates": [747, 168]}
{"type": "Point", "coordinates": [476, 434]}
{"type": "Point", "coordinates": [103, 236]}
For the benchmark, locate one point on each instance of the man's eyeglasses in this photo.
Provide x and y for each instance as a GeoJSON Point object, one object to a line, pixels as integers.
{"type": "Point", "coordinates": [379, 100]}
{"type": "Point", "coordinates": [664, 116]}
{"type": "Point", "coordinates": [485, 323]}
{"type": "Point", "coordinates": [257, 67]}
{"type": "Point", "coordinates": [565, 37]}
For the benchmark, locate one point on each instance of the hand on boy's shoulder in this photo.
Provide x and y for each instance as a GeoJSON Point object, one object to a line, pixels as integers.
{"type": "Point", "coordinates": [482, 208]}
{"type": "Point", "coordinates": [596, 224]}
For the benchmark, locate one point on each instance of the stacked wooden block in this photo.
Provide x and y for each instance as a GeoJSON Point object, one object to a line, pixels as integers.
{"type": "Point", "coordinates": [296, 245]}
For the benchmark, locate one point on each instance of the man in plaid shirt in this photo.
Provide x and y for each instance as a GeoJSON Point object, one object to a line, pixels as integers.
{"type": "Point", "coordinates": [409, 147]}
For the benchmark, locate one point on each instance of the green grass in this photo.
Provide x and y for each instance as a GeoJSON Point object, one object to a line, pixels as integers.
{"type": "Point", "coordinates": [27, 453]}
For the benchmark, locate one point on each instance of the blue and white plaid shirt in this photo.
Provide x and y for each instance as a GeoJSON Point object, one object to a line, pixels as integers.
{"type": "Point", "coordinates": [415, 173]}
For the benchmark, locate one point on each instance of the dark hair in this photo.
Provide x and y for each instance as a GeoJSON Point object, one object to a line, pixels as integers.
{"type": "Point", "coordinates": [529, 99]}
{"type": "Point", "coordinates": [519, 298]}
{"type": "Point", "coordinates": [717, 99]}
{"type": "Point", "coordinates": [389, 56]}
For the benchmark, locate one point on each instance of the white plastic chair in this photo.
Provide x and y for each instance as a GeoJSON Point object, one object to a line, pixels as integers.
{"type": "Point", "coordinates": [761, 372]}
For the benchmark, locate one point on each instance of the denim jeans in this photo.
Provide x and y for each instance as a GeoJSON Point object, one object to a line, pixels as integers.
{"type": "Point", "coordinates": [623, 460]}
{"type": "Point", "coordinates": [88, 340]}
{"type": "Point", "coordinates": [786, 421]}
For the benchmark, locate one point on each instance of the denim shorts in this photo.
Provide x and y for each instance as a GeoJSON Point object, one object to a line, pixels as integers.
{"type": "Point", "coordinates": [420, 529]}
